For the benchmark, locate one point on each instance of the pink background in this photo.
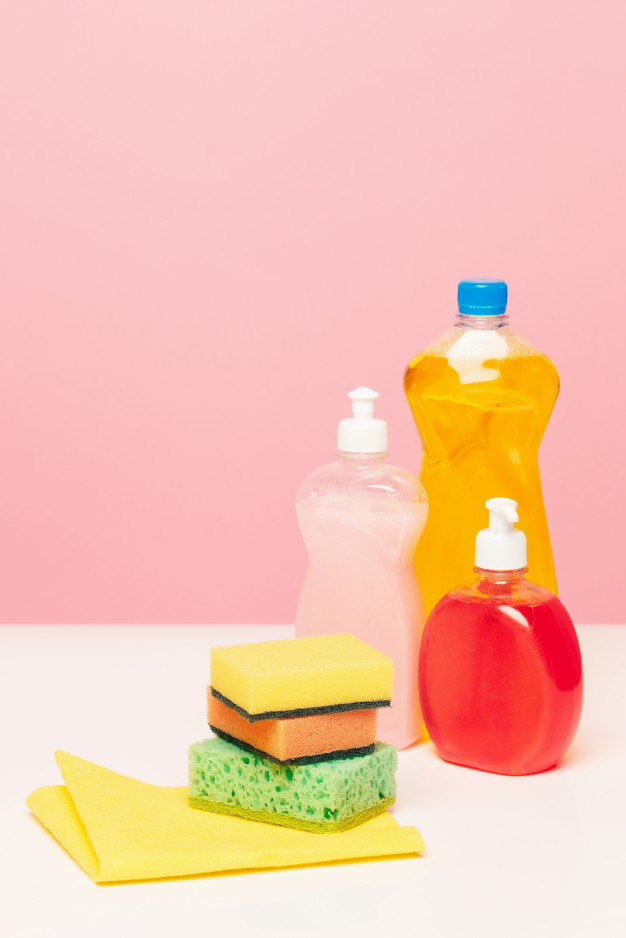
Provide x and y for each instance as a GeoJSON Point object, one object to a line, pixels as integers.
{"type": "Point", "coordinates": [219, 217]}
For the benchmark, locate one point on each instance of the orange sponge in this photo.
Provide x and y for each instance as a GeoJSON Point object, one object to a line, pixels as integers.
{"type": "Point", "coordinates": [297, 740]}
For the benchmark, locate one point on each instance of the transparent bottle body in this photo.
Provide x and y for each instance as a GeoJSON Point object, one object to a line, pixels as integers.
{"type": "Point", "coordinates": [500, 676]}
{"type": "Point", "coordinates": [360, 520]}
{"type": "Point", "coordinates": [481, 396]}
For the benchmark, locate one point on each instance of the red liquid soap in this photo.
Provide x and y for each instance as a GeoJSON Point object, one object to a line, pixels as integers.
{"type": "Point", "coordinates": [500, 672]}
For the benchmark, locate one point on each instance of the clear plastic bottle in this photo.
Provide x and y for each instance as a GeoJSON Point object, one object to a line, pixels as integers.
{"type": "Point", "coordinates": [361, 519]}
{"type": "Point", "coordinates": [500, 670]}
{"type": "Point", "coordinates": [481, 396]}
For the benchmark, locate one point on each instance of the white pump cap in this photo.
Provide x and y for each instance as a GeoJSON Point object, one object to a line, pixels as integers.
{"type": "Point", "coordinates": [501, 546]}
{"type": "Point", "coordinates": [362, 433]}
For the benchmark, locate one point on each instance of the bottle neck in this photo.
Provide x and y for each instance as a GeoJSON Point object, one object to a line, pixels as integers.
{"type": "Point", "coordinates": [470, 321]}
{"type": "Point", "coordinates": [500, 581]}
{"type": "Point", "coordinates": [361, 461]}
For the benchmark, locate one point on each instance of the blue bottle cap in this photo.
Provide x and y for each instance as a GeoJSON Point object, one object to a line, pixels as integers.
{"type": "Point", "coordinates": [479, 296]}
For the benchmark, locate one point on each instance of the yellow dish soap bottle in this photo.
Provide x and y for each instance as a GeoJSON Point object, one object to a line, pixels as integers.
{"type": "Point", "coordinates": [481, 396]}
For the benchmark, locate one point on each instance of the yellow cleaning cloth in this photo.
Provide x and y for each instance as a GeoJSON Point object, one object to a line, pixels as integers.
{"type": "Point", "coordinates": [119, 829]}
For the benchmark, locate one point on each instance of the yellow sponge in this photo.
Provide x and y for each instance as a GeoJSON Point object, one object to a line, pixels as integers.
{"type": "Point", "coordinates": [296, 676]}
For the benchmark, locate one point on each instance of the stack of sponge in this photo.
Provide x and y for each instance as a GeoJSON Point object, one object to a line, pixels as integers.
{"type": "Point", "coordinates": [296, 734]}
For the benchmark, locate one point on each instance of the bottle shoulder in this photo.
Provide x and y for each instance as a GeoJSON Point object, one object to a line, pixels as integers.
{"type": "Point", "coordinates": [460, 342]}
{"type": "Point", "coordinates": [524, 593]}
{"type": "Point", "coordinates": [377, 481]}
{"type": "Point", "coordinates": [482, 368]}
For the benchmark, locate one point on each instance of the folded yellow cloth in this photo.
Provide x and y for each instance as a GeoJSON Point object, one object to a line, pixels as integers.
{"type": "Point", "coordinates": [120, 829]}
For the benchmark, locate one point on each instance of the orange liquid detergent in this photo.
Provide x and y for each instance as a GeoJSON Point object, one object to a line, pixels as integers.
{"type": "Point", "coordinates": [481, 397]}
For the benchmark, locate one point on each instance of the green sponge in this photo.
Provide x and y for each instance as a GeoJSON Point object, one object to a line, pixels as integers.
{"type": "Point", "coordinates": [321, 796]}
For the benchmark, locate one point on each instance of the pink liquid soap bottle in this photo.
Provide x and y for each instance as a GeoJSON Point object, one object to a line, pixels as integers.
{"type": "Point", "coordinates": [500, 671]}
{"type": "Point", "coordinates": [361, 520]}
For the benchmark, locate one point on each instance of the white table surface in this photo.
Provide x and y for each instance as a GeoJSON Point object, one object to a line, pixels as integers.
{"type": "Point", "coordinates": [542, 855]}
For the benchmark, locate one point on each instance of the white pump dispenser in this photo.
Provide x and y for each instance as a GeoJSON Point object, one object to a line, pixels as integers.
{"type": "Point", "coordinates": [362, 433]}
{"type": "Point", "coordinates": [361, 519]}
{"type": "Point", "coordinates": [501, 546]}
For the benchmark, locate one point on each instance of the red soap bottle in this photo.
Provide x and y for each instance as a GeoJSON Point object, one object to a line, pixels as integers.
{"type": "Point", "coordinates": [500, 672]}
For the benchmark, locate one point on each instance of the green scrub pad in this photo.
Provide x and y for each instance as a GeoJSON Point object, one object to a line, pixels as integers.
{"type": "Point", "coordinates": [320, 797]}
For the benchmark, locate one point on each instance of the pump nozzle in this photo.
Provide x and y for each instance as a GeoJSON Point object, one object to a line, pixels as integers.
{"type": "Point", "coordinates": [362, 433]}
{"type": "Point", "coordinates": [501, 546]}
{"type": "Point", "coordinates": [363, 401]}
{"type": "Point", "coordinates": [502, 514]}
